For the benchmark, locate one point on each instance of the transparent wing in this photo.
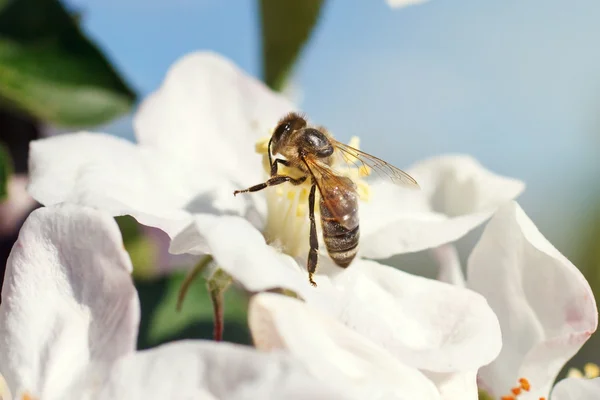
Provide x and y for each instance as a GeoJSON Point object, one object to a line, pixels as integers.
{"type": "Point", "coordinates": [364, 160]}
{"type": "Point", "coordinates": [337, 192]}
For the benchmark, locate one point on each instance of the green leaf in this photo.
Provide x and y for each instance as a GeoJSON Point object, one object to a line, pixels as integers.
{"type": "Point", "coordinates": [286, 27]}
{"type": "Point", "coordinates": [484, 396]}
{"type": "Point", "coordinates": [142, 250]}
{"type": "Point", "coordinates": [162, 323]}
{"type": "Point", "coordinates": [50, 70]}
{"type": "Point", "coordinates": [5, 171]}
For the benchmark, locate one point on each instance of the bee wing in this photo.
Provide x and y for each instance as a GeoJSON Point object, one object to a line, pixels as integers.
{"type": "Point", "coordinates": [337, 192]}
{"type": "Point", "coordinates": [351, 156]}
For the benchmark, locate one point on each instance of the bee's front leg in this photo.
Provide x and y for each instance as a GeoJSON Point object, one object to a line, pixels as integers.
{"type": "Point", "coordinates": [275, 180]}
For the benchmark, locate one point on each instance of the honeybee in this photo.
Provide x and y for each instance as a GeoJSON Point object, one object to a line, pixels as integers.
{"type": "Point", "coordinates": [312, 151]}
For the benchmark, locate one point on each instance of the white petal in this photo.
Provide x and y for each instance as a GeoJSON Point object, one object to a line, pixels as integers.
{"type": "Point", "coordinates": [240, 250]}
{"type": "Point", "coordinates": [577, 389]}
{"type": "Point", "coordinates": [456, 386]}
{"type": "Point", "coordinates": [118, 177]}
{"type": "Point", "coordinates": [545, 306]}
{"type": "Point", "coordinates": [206, 371]}
{"type": "Point", "coordinates": [67, 299]}
{"type": "Point", "coordinates": [208, 112]}
{"type": "Point", "coordinates": [404, 3]}
{"type": "Point", "coordinates": [457, 194]}
{"type": "Point", "coordinates": [110, 174]}
{"type": "Point", "coordinates": [427, 324]}
{"type": "Point", "coordinates": [333, 352]}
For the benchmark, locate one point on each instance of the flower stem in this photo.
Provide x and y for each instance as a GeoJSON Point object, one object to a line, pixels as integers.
{"type": "Point", "coordinates": [217, 284]}
{"type": "Point", "coordinates": [192, 274]}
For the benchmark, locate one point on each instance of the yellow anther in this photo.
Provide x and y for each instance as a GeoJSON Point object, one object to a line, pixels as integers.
{"type": "Point", "coordinates": [591, 370]}
{"type": "Point", "coordinates": [364, 190]}
{"type": "Point", "coordinates": [574, 373]}
{"type": "Point", "coordinates": [262, 145]}
{"type": "Point", "coordinates": [354, 142]}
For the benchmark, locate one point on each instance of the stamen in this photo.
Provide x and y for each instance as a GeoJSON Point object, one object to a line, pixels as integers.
{"type": "Point", "coordinates": [574, 373]}
{"type": "Point", "coordinates": [287, 224]}
{"type": "Point", "coordinates": [524, 385]}
{"type": "Point", "coordinates": [591, 370]}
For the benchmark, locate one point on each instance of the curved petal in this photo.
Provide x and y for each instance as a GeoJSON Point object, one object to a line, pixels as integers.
{"type": "Point", "coordinates": [545, 306]}
{"type": "Point", "coordinates": [197, 138]}
{"type": "Point", "coordinates": [210, 113]}
{"type": "Point", "coordinates": [457, 194]}
{"type": "Point", "coordinates": [240, 249]}
{"type": "Point", "coordinates": [205, 370]}
{"type": "Point", "coordinates": [577, 389]}
{"type": "Point", "coordinates": [67, 299]}
{"type": "Point", "coordinates": [455, 386]}
{"type": "Point", "coordinates": [120, 178]}
{"type": "Point", "coordinates": [427, 324]}
{"type": "Point", "coordinates": [333, 352]}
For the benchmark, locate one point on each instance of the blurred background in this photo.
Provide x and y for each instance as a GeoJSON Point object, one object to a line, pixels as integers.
{"type": "Point", "coordinates": [514, 84]}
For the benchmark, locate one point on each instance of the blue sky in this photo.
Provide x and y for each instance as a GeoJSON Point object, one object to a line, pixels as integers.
{"type": "Point", "coordinates": [514, 83]}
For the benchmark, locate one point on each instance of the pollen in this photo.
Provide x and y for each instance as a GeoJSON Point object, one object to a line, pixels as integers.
{"type": "Point", "coordinates": [524, 386]}
{"type": "Point", "coordinates": [591, 370]}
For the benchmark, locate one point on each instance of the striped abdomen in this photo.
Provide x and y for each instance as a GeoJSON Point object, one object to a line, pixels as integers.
{"type": "Point", "coordinates": [339, 221]}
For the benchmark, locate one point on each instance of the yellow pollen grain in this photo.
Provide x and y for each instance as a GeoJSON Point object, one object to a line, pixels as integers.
{"type": "Point", "coordinates": [591, 370]}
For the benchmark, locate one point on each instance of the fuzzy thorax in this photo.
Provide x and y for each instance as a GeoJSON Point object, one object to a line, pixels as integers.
{"type": "Point", "coordinates": [288, 225]}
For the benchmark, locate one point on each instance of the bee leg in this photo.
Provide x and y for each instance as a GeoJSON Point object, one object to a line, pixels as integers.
{"type": "Point", "coordinates": [274, 165]}
{"type": "Point", "coordinates": [313, 255]}
{"type": "Point", "coordinates": [275, 180]}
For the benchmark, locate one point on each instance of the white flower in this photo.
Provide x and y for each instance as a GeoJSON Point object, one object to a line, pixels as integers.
{"type": "Point", "coordinates": [196, 140]}
{"type": "Point", "coordinates": [197, 137]}
{"type": "Point", "coordinates": [545, 306]}
{"type": "Point", "coordinates": [68, 325]}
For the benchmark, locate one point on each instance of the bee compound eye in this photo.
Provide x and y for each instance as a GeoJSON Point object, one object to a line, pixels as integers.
{"type": "Point", "coordinates": [281, 129]}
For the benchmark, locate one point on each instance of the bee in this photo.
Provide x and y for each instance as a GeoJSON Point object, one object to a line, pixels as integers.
{"type": "Point", "coordinates": [312, 151]}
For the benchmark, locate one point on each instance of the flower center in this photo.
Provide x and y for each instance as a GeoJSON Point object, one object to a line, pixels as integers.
{"type": "Point", "coordinates": [288, 225]}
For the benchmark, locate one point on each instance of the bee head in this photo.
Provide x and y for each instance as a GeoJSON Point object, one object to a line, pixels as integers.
{"type": "Point", "coordinates": [287, 125]}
